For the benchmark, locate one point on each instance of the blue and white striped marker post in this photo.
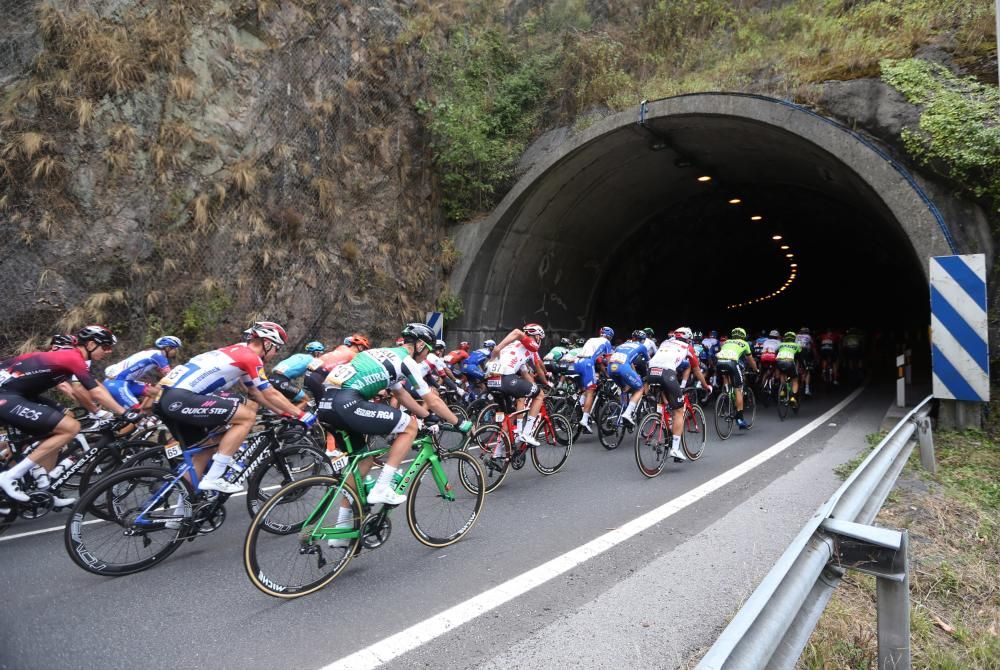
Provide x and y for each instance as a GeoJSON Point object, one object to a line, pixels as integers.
{"type": "Point", "coordinates": [436, 321]}
{"type": "Point", "coordinates": [959, 346]}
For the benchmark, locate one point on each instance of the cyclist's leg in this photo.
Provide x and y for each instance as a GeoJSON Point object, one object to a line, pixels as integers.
{"type": "Point", "coordinates": [36, 418]}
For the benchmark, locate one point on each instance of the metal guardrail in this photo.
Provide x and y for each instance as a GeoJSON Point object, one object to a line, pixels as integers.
{"type": "Point", "coordinates": [774, 625]}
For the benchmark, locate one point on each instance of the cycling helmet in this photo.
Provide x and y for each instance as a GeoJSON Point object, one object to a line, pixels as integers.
{"type": "Point", "coordinates": [638, 335]}
{"type": "Point", "coordinates": [565, 342]}
{"type": "Point", "coordinates": [534, 329]}
{"type": "Point", "coordinates": [774, 334]}
{"type": "Point", "coordinates": [649, 332]}
{"type": "Point", "coordinates": [315, 347]}
{"type": "Point", "coordinates": [580, 342]}
{"type": "Point", "coordinates": [464, 346]}
{"type": "Point", "coordinates": [489, 344]}
{"type": "Point", "coordinates": [167, 341]}
{"type": "Point", "coordinates": [62, 341]}
{"type": "Point", "coordinates": [608, 332]}
{"type": "Point", "coordinates": [98, 334]}
{"type": "Point", "coordinates": [418, 331]}
{"type": "Point", "coordinates": [713, 333]}
{"type": "Point", "coordinates": [789, 336]}
{"type": "Point", "coordinates": [683, 333]}
{"type": "Point", "coordinates": [804, 330]}
{"type": "Point", "coordinates": [358, 341]}
{"type": "Point", "coordinates": [440, 344]}
{"type": "Point", "coordinates": [738, 333]}
{"type": "Point", "coordinates": [266, 330]}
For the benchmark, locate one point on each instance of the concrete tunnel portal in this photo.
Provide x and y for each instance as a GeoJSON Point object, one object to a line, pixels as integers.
{"type": "Point", "coordinates": [614, 226]}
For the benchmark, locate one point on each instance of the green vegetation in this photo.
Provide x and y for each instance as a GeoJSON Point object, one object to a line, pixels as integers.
{"type": "Point", "coordinates": [450, 305]}
{"type": "Point", "coordinates": [201, 318]}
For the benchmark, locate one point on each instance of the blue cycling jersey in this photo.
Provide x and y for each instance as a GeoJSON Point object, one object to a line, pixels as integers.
{"type": "Point", "coordinates": [631, 351]}
{"type": "Point", "coordinates": [294, 366]}
{"type": "Point", "coordinates": [476, 358]}
{"type": "Point", "coordinates": [138, 365]}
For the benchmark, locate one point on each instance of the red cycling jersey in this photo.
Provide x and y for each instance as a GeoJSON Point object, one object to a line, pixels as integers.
{"type": "Point", "coordinates": [455, 357]}
{"type": "Point", "coordinates": [37, 372]}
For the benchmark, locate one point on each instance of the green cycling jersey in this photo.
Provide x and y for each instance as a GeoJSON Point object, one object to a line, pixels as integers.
{"type": "Point", "coordinates": [733, 350]}
{"type": "Point", "coordinates": [556, 353]}
{"type": "Point", "coordinates": [378, 369]}
{"type": "Point", "coordinates": [787, 351]}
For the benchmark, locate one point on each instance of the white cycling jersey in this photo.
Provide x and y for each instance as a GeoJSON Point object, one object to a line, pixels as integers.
{"type": "Point", "coordinates": [591, 346]}
{"type": "Point", "coordinates": [511, 359]}
{"type": "Point", "coordinates": [770, 346]}
{"type": "Point", "coordinates": [650, 346]}
{"type": "Point", "coordinates": [805, 341]}
{"type": "Point", "coordinates": [671, 354]}
{"type": "Point", "coordinates": [219, 369]}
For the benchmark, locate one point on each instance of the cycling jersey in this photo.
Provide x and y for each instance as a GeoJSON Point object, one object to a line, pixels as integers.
{"type": "Point", "coordinates": [769, 350]}
{"type": "Point", "coordinates": [36, 372]}
{"type": "Point", "coordinates": [436, 364]}
{"type": "Point", "coordinates": [472, 366]}
{"type": "Point", "coordinates": [555, 353]}
{"type": "Point", "coordinates": [734, 349]}
{"type": "Point", "coordinates": [853, 341]}
{"type": "Point", "coordinates": [711, 345]}
{"type": "Point", "coordinates": [623, 362]}
{"type": "Point", "coordinates": [805, 341]}
{"type": "Point", "coordinates": [788, 352]}
{"type": "Point", "coordinates": [758, 346]}
{"type": "Point", "coordinates": [828, 341]}
{"type": "Point", "coordinates": [376, 370]}
{"type": "Point", "coordinates": [584, 366]}
{"type": "Point", "coordinates": [219, 369]}
{"type": "Point", "coordinates": [673, 354]}
{"type": "Point", "coordinates": [294, 366]}
{"type": "Point", "coordinates": [456, 357]}
{"type": "Point", "coordinates": [650, 345]}
{"type": "Point", "coordinates": [138, 365]}
{"type": "Point", "coordinates": [511, 359]}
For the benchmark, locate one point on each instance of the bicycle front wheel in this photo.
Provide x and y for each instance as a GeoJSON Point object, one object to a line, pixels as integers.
{"type": "Point", "coordinates": [284, 467]}
{"type": "Point", "coordinates": [651, 438]}
{"type": "Point", "coordinates": [301, 540]}
{"type": "Point", "coordinates": [555, 439]}
{"type": "Point", "coordinates": [445, 499]}
{"type": "Point", "coordinates": [749, 406]}
{"type": "Point", "coordinates": [783, 401]}
{"type": "Point", "coordinates": [695, 433]}
{"type": "Point", "coordinates": [491, 448]}
{"type": "Point", "coordinates": [724, 416]}
{"type": "Point", "coordinates": [128, 522]}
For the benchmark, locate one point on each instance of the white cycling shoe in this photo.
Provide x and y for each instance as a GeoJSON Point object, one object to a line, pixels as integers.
{"type": "Point", "coordinates": [675, 452]}
{"type": "Point", "coordinates": [221, 485]}
{"type": "Point", "coordinates": [12, 488]}
{"type": "Point", "coordinates": [528, 439]}
{"type": "Point", "coordinates": [385, 495]}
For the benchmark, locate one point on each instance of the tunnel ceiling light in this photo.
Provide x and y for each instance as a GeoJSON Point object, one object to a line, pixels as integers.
{"type": "Point", "coordinates": [704, 178]}
{"type": "Point", "coordinates": [775, 237]}
{"type": "Point", "coordinates": [789, 255]}
{"type": "Point", "coordinates": [784, 247]}
{"type": "Point", "coordinates": [756, 217]}
{"type": "Point", "coordinates": [794, 265]}
{"type": "Point", "coordinates": [734, 201]}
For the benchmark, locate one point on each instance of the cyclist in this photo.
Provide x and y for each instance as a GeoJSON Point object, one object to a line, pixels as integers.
{"type": "Point", "coordinates": [320, 367]}
{"type": "Point", "coordinates": [124, 379]}
{"type": "Point", "coordinates": [733, 355]}
{"type": "Point", "coordinates": [650, 341]}
{"type": "Point", "coordinates": [435, 367]}
{"type": "Point", "coordinates": [712, 346]}
{"type": "Point", "coordinates": [514, 352]}
{"type": "Point", "coordinates": [758, 345]}
{"type": "Point", "coordinates": [551, 359]}
{"type": "Point", "coordinates": [628, 366]}
{"type": "Point", "coordinates": [591, 355]}
{"type": "Point", "coordinates": [673, 355]}
{"type": "Point", "coordinates": [192, 402]}
{"type": "Point", "coordinates": [455, 357]}
{"type": "Point", "coordinates": [804, 338]}
{"type": "Point", "coordinates": [297, 365]}
{"type": "Point", "coordinates": [854, 352]}
{"type": "Point", "coordinates": [789, 356]}
{"type": "Point", "coordinates": [472, 367]}
{"type": "Point", "coordinates": [769, 354]}
{"type": "Point", "coordinates": [346, 404]}
{"type": "Point", "coordinates": [829, 345]}
{"type": "Point", "coordinates": [22, 381]}
{"type": "Point", "coordinates": [71, 388]}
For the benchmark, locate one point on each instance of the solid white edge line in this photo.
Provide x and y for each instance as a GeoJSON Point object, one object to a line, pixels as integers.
{"type": "Point", "coordinates": [415, 636]}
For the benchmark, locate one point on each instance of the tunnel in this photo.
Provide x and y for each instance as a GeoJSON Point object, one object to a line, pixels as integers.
{"type": "Point", "coordinates": [712, 211]}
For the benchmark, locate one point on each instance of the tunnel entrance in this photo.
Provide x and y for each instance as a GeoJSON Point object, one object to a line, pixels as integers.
{"type": "Point", "coordinates": [681, 219]}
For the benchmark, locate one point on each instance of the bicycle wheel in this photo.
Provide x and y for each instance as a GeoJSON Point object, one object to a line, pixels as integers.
{"type": "Point", "coordinates": [610, 427]}
{"type": "Point", "coordinates": [438, 511]}
{"type": "Point", "coordinates": [695, 433]}
{"type": "Point", "coordinates": [724, 416]}
{"type": "Point", "coordinates": [110, 460]}
{"type": "Point", "coordinates": [287, 553]}
{"type": "Point", "coordinates": [651, 437]}
{"type": "Point", "coordinates": [487, 415]}
{"type": "Point", "coordinates": [749, 406]}
{"type": "Point", "coordinates": [491, 447]}
{"type": "Point", "coordinates": [284, 467]}
{"type": "Point", "coordinates": [573, 413]}
{"type": "Point", "coordinates": [128, 522]}
{"type": "Point", "coordinates": [783, 401]}
{"type": "Point", "coordinates": [555, 442]}
{"type": "Point", "coordinates": [459, 411]}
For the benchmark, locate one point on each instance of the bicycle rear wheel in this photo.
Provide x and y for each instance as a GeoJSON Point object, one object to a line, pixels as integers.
{"type": "Point", "coordinates": [491, 447]}
{"type": "Point", "coordinates": [749, 406]}
{"type": "Point", "coordinates": [695, 433]}
{"type": "Point", "coordinates": [110, 460]}
{"type": "Point", "coordinates": [555, 442]}
{"type": "Point", "coordinates": [610, 427]}
{"type": "Point", "coordinates": [284, 467]}
{"type": "Point", "coordinates": [439, 511]}
{"type": "Point", "coordinates": [128, 522]}
{"type": "Point", "coordinates": [724, 416]}
{"type": "Point", "coordinates": [783, 401]}
{"type": "Point", "coordinates": [284, 554]}
{"type": "Point", "coordinates": [651, 438]}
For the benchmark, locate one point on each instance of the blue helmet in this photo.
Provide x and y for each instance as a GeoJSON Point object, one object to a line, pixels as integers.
{"type": "Point", "coordinates": [489, 344]}
{"type": "Point", "coordinates": [315, 347]}
{"type": "Point", "coordinates": [168, 341]}
{"type": "Point", "coordinates": [608, 332]}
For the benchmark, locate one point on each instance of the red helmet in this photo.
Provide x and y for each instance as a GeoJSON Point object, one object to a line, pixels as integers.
{"type": "Point", "coordinates": [360, 341]}
{"type": "Point", "coordinates": [266, 330]}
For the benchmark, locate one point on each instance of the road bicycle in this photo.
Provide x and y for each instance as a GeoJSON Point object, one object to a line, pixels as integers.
{"type": "Point", "coordinates": [725, 408]}
{"type": "Point", "coordinates": [785, 399]}
{"type": "Point", "coordinates": [495, 445]}
{"type": "Point", "coordinates": [300, 541]}
{"type": "Point", "coordinates": [611, 427]}
{"type": "Point", "coordinates": [654, 435]}
{"type": "Point", "coordinates": [135, 518]}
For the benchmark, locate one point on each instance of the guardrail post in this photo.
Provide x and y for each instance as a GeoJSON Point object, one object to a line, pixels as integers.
{"type": "Point", "coordinates": [900, 381]}
{"type": "Point", "coordinates": [926, 438]}
{"type": "Point", "coordinates": [893, 609]}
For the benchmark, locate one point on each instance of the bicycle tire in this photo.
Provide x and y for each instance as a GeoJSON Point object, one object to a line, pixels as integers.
{"type": "Point", "coordinates": [749, 406]}
{"type": "Point", "coordinates": [459, 411]}
{"type": "Point", "coordinates": [651, 445]}
{"type": "Point", "coordinates": [460, 514]}
{"type": "Point", "coordinates": [110, 460]}
{"type": "Point", "coordinates": [695, 433]}
{"type": "Point", "coordinates": [555, 444]}
{"type": "Point", "coordinates": [491, 447]}
{"type": "Point", "coordinates": [281, 563]}
{"type": "Point", "coordinates": [113, 496]}
{"type": "Point", "coordinates": [783, 401]}
{"type": "Point", "coordinates": [610, 429]}
{"type": "Point", "coordinates": [487, 415]}
{"type": "Point", "coordinates": [724, 416]}
{"type": "Point", "coordinates": [285, 466]}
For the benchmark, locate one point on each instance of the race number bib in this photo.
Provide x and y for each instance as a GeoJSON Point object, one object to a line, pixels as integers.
{"type": "Point", "coordinates": [656, 372]}
{"type": "Point", "coordinates": [494, 367]}
{"type": "Point", "coordinates": [340, 374]}
{"type": "Point", "coordinates": [173, 450]}
{"type": "Point", "coordinates": [174, 375]}
{"type": "Point", "coordinates": [494, 382]}
{"type": "Point", "coordinates": [619, 357]}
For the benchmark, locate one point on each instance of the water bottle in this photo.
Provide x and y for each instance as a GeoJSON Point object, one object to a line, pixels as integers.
{"type": "Point", "coordinates": [236, 469]}
{"type": "Point", "coordinates": [41, 477]}
{"type": "Point", "coordinates": [369, 483]}
{"type": "Point", "coordinates": [396, 478]}
{"type": "Point", "coordinates": [63, 465]}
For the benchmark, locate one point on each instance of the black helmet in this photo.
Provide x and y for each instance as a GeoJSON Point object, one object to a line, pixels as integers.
{"type": "Point", "coordinates": [580, 341]}
{"type": "Point", "coordinates": [638, 335]}
{"type": "Point", "coordinates": [418, 331]}
{"type": "Point", "coordinates": [99, 334]}
{"type": "Point", "coordinates": [564, 342]}
{"type": "Point", "coordinates": [62, 341]}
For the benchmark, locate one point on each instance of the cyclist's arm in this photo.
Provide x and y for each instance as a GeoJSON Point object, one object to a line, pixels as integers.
{"type": "Point", "coordinates": [100, 395]}
{"type": "Point", "coordinates": [512, 336]}
{"type": "Point", "coordinates": [433, 403]}
{"type": "Point", "coordinates": [272, 399]}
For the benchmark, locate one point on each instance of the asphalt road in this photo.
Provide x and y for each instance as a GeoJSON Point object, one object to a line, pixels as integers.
{"type": "Point", "coordinates": [199, 609]}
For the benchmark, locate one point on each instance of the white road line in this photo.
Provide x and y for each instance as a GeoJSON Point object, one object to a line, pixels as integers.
{"type": "Point", "coordinates": [415, 636]}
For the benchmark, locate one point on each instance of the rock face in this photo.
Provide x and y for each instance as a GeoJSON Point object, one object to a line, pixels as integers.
{"type": "Point", "coordinates": [170, 167]}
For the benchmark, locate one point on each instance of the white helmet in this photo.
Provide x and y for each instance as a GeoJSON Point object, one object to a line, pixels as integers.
{"type": "Point", "coordinates": [683, 333]}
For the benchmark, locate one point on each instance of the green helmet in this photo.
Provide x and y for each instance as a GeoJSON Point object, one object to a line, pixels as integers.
{"type": "Point", "coordinates": [789, 336]}
{"type": "Point", "coordinates": [738, 333]}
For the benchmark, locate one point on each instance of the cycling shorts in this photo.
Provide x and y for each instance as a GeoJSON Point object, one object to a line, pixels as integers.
{"type": "Point", "coordinates": [126, 393]}
{"type": "Point", "coordinates": [35, 416]}
{"type": "Point", "coordinates": [788, 368]}
{"type": "Point", "coordinates": [667, 380]}
{"type": "Point", "coordinates": [514, 386]}
{"type": "Point", "coordinates": [287, 387]}
{"type": "Point", "coordinates": [474, 373]}
{"type": "Point", "coordinates": [191, 416]}
{"type": "Point", "coordinates": [828, 353]}
{"type": "Point", "coordinates": [625, 376]}
{"type": "Point", "coordinates": [347, 410]}
{"type": "Point", "coordinates": [807, 360]}
{"type": "Point", "coordinates": [588, 376]}
{"type": "Point", "coordinates": [313, 381]}
{"type": "Point", "coordinates": [733, 369]}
